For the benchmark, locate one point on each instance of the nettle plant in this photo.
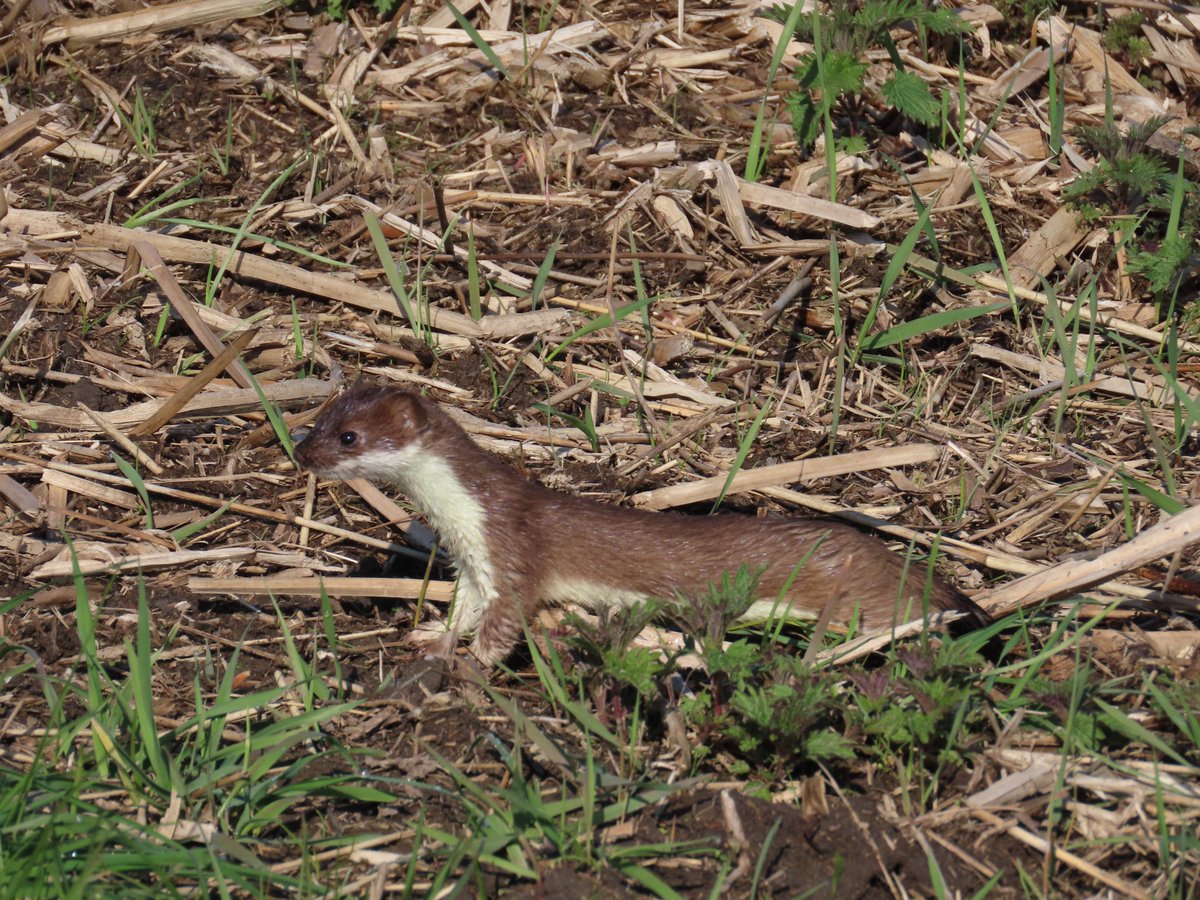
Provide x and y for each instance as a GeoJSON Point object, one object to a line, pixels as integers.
{"type": "Point", "coordinates": [765, 712]}
{"type": "Point", "coordinates": [835, 78]}
{"type": "Point", "coordinates": [1147, 204]}
{"type": "Point", "coordinates": [617, 674]}
{"type": "Point", "coordinates": [756, 697]}
{"type": "Point", "coordinates": [1123, 37]}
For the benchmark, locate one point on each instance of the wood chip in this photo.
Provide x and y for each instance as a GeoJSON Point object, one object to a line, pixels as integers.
{"type": "Point", "coordinates": [787, 473]}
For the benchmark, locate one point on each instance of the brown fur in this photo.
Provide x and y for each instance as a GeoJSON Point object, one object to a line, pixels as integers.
{"type": "Point", "coordinates": [535, 535]}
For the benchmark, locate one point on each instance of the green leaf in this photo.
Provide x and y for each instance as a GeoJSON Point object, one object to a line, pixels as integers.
{"type": "Point", "coordinates": [1118, 720]}
{"type": "Point", "coordinates": [853, 145]}
{"type": "Point", "coordinates": [906, 331]}
{"type": "Point", "coordinates": [275, 417]}
{"type": "Point", "coordinates": [1158, 498]}
{"type": "Point", "coordinates": [910, 95]}
{"type": "Point", "coordinates": [743, 452]}
{"type": "Point", "coordinates": [139, 485]}
{"type": "Point", "coordinates": [186, 532]}
{"type": "Point", "coordinates": [805, 121]}
{"type": "Point", "coordinates": [760, 137]}
{"type": "Point", "coordinates": [141, 675]}
{"type": "Point", "coordinates": [841, 73]}
{"type": "Point", "coordinates": [602, 321]}
{"type": "Point", "coordinates": [822, 83]}
{"type": "Point", "coordinates": [395, 275]}
{"type": "Point", "coordinates": [1175, 257]}
{"type": "Point", "coordinates": [584, 423]}
{"type": "Point", "coordinates": [649, 881]}
{"type": "Point", "coordinates": [543, 274]}
{"type": "Point", "coordinates": [827, 744]}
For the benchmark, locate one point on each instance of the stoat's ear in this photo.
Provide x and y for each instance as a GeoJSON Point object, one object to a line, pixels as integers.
{"type": "Point", "coordinates": [409, 416]}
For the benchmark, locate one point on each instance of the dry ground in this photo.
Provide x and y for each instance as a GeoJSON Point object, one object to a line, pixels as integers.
{"type": "Point", "coordinates": [622, 146]}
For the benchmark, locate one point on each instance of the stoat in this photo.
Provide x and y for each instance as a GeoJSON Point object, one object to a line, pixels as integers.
{"type": "Point", "coordinates": [519, 545]}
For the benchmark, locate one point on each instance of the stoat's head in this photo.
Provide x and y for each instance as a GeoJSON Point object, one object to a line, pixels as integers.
{"type": "Point", "coordinates": [370, 431]}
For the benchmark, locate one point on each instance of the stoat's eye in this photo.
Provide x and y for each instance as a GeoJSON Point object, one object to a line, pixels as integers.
{"type": "Point", "coordinates": [348, 438]}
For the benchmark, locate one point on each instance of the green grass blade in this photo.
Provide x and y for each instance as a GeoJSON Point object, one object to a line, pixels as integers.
{"type": "Point", "coordinates": [584, 423]}
{"type": "Point", "coordinates": [1186, 721]}
{"type": "Point", "coordinates": [1164, 502]}
{"type": "Point", "coordinates": [906, 331]}
{"type": "Point", "coordinates": [1120, 721]}
{"type": "Point", "coordinates": [210, 293]}
{"type": "Point", "coordinates": [477, 39]}
{"type": "Point", "coordinates": [275, 417]}
{"type": "Point", "coordinates": [394, 276]}
{"type": "Point", "coordinates": [85, 627]}
{"type": "Point", "coordinates": [648, 879]}
{"type": "Point", "coordinates": [151, 210]}
{"type": "Point", "coordinates": [602, 321]}
{"type": "Point", "coordinates": [756, 151]}
{"type": "Point", "coordinates": [558, 695]}
{"type": "Point", "coordinates": [473, 294]}
{"type": "Point", "coordinates": [760, 863]}
{"type": "Point", "coordinates": [743, 451]}
{"type": "Point", "coordinates": [135, 478]}
{"type": "Point", "coordinates": [1056, 110]}
{"type": "Point", "coordinates": [266, 239]}
{"type": "Point", "coordinates": [994, 233]}
{"type": "Point", "coordinates": [543, 275]}
{"type": "Point", "coordinates": [185, 533]}
{"type": "Point", "coordinates": [141, 674]}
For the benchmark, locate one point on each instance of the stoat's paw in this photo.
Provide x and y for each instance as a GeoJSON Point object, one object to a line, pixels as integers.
{"type": "Point", "coordinates": [498, 634]}
{"type": "Point", "coordinates": [493, 645]}
{"type": "Point", "coordinates": [433, 639]}
{"type": "Point", "coordinates": [489, 653]}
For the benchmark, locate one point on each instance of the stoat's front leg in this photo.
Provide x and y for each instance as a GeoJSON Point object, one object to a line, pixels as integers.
{"type": "Point", "coordinates": [466, 613]}
{"type": "Point", "coordinates": [499, 630]}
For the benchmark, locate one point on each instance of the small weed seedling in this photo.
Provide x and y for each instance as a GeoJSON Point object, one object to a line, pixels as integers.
{"type": "Point", "coordinates": [1123, 38]}
{"type": "Point", "coordinates": [140, 124]}
{"type": "Point", "coordinates": [910, 713]}
{"type": "Point", "coordinates": [1150, 209]}
{"type": "Point", "coordinates": [759, 698]}
{"type": "Point", "coordinates": [836, 81]}
{"type": "Point", "coordinates": [617, 674]}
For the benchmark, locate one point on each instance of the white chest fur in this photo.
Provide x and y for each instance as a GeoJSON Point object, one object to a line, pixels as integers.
{"type": "Point", "coordinates": [455, 514]}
